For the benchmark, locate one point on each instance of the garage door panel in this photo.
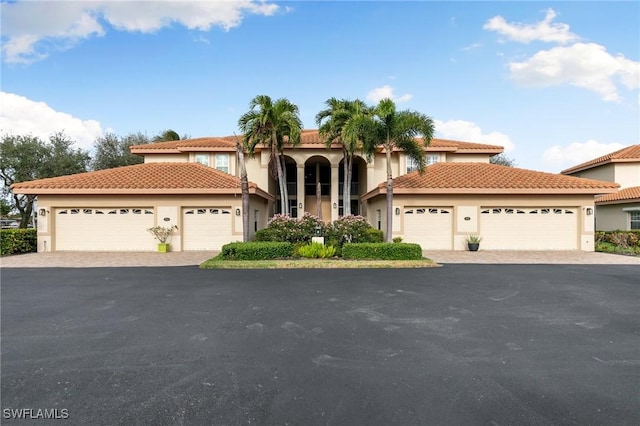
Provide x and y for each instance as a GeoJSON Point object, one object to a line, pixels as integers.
{"type": "Point", "coordinates": [534, 228]}
{"type": "Point", "coordinates": [206, 228]}
{"type": "Point", "coordinates": [431, 227]}
{"type": "Point", "coordinates": [104, 229]}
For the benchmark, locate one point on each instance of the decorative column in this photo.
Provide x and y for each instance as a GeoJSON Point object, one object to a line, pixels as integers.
{"type": "Point", "coordinates": [300, 187]}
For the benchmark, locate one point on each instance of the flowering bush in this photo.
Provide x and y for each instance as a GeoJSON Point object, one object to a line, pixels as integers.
{"type": "Point", "coordinates": [162, 233]}
{"type": "Point", "coordinates": [353, 229]}
{"type": "Point", "coordinates": [284, 228]}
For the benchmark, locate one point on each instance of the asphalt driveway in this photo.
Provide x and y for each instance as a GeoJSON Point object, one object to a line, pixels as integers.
{"type": "Point", "coordinates": [457, 345]}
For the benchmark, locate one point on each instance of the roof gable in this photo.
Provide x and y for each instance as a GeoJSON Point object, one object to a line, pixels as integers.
{"type": "Point", "coordinates": [628, 154]}
{"type": "Point", "coordinates": [150, 178]}
{"type": "Point", "coordinates": [490, 178]}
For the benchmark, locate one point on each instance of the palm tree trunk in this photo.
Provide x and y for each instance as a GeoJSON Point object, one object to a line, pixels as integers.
{"type": "Point", "coordinates": [346, 202]}
{"type": "Point", "coordinates": [244, 186]}
{"type": "Point", "coordinates": [285, 185]}
{"type": "Point", "coordinates": [276, 159]}
{"type": "Point", "coordinates": [389, 195]}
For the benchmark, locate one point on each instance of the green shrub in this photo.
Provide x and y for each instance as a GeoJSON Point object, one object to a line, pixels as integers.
{"type": "Point", "coordinates": [623, 242]}
{"type": "Point", "coordinates": [16, 241]}
{"type": "Point", "coordinates": [256, 250]}
{"type": "Point", "coordinates": [397, 240]}
{"type": "Point", "coordinates": [385, 251]}
{"type": "Point", "coordinates": [316, 251]}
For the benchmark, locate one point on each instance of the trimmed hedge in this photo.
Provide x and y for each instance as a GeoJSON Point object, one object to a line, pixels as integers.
{"type": "Point", "coordinates": [383, 251]}
{"type": "Point", "coordinates": [16, 241]}
{"type": "Point", "coordinates": [261, 250]}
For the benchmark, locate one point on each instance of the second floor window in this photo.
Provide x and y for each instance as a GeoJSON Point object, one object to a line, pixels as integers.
{"type": "Point", "coordinates": [202, 159]}
{"type": "Point", "coordinates": [222, 162]}
{"type": "Point", "coordinates": [412, 165]}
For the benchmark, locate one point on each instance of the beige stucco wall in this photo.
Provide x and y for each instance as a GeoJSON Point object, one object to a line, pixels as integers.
{"type": "Point", "coordinates": [469, 206]}
{"type": "Point", "coordinates": [166, 158]}
{"type": "Point", "coordinates": [612, 217]}
{"type": "Point", "coordinates": [467, 158]}
{"type": "Point", "coordinates": [627, 174]}
{"type": "Point", "coordinates": [165, 206]}
{"type": "Point", "coordinates": [605, 173]}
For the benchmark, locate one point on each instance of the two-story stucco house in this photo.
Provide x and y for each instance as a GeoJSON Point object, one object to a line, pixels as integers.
{"type": "Point", "coordinates": [194, 184]}
{"type": "Point", "coordinates": [620, 210]}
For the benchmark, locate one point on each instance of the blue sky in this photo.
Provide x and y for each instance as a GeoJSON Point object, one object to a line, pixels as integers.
{"type": "Point", "coordinates": [556, 83]}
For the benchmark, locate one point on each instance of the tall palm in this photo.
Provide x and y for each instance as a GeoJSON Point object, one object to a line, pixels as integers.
{"type": "Point", "coordinates": [272, 124]}
{"type": "Point", "coordinates": [392, 129]}
{"type": "Point", "coordinates": [337, 123]}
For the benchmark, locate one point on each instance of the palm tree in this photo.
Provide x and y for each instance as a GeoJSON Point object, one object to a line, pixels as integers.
{"type": "Point", "coordinates": [244, 187]}
{"type": "Point", "coordinates": [392, 129]}
{"type": "Point", "coordinates": [338, 124]}
{"type": "Point", "coordinates": [272, 124]}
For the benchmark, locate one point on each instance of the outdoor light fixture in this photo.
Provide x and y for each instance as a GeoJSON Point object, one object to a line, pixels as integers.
{"type": "Point", "coordinates": [397, 211]}
{"type": "Point", "coordinates": [589, 211]}
{"type": "Point", "coordinates": [300, 205]}
{"type": "Point", "coordinates": [42, 212]}
{"type": "Point", "coordinates": [237, 212]}
{"type": "Point", "coordinates": [335, 206]}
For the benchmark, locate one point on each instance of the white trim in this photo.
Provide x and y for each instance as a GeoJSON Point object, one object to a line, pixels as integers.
{"type": "Point", "coordinates": [630, 209]}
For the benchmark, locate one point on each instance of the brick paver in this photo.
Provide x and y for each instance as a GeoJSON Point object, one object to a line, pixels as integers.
{"type": "Point", "coordinates": [152, 259]}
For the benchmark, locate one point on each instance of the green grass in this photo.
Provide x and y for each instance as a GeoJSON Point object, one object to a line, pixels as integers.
{"type": "Point", "coordinates": [605, 247]}
{"type": "Point", "coordinates": [216, 263]}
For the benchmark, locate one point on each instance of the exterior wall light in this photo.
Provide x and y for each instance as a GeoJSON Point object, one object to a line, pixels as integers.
{"type": "Point", "coordinates": [300, 205]}
{"type": "Point", "coordinates": [42, 212]}
{"type": "Point", "coordinates": [397, 211]}
{"type": "Point", "coordinates": [589, 211]}
{"type": "Point", "coordinates": [335, 205]}
{"type": "Point", "coordinates": [237, 212]}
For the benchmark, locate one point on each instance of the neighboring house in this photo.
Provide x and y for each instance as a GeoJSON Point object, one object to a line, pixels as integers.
{"type": "Point", "coordinates": [620, 210]}
{"type": "Point", "coordinates": [194, 184]}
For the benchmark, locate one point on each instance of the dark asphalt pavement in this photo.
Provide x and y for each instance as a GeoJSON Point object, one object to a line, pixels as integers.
{"type": "Point", "coordinates": [457, 345]}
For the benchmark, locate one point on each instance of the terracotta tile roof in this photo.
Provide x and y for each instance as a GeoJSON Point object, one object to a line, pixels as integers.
{"type": "Point", "coordinates": [628, 154]}
{"type": "Point", "coordinates": [627, 195]}
{"type": "Point", "coordinates": [197, 144]}
{"type": "Point", "coordinates": [461, 178]}
{"type": "Point", "coordinates": [308, 139]}
{"type": "Point", "coordinates": [151, 178]}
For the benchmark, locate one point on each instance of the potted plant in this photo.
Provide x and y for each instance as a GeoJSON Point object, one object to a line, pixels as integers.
{"type": "Point", "coordinates": [162, 234]}
{"type": "Point", "coordinates": [473, 242]}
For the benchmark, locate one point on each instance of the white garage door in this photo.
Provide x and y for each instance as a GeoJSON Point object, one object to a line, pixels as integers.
{"type": "Point", "coordinates": [206, 228]}
{"type": "Point", "coordinates": [536, 228]}
{"type": "Point", "coordinates": [431, 227]}
{"type": "Point", "coordinates": [104, 229]}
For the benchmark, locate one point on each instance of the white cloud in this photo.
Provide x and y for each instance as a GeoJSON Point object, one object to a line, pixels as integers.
{"type": "Point", "coordinates": [578, 152]}
{"type": "Point", "coordinates": [379, 93]}
{"type": "Point", "coordinates": [472, 46]}
{"type": "Point", "coordinates": [31, 29]}
{"type": "Point", "coordinates": [471, 132]}
{"type": "Point", "coordinates": [544, 30]}
{"type": "Point", "coordinates": [586, 65]}
{"type": "Point", "coordinates": [22, 116]}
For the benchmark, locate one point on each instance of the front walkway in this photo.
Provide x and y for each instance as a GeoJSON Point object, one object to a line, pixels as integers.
{"type": "Point", "coordinates": [190, 258]}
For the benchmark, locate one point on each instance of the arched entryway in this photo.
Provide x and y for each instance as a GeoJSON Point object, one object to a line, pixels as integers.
{"type": "Point", "coordinates": [358, 185]}
{"type": "Point", "coordinates": [317, 187]}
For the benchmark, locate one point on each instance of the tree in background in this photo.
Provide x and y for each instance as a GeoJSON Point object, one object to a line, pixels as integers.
{"type": "Point", "coordinates": [390, 129]}
{"type": "Point", "coordinates": [26, 157]}
{"type": "Point", "coordinates": [114, 151]}
{"type": "Point", "coordinates": [502, 160]}
{"type": "Point", "coordinates": [168, 136]}
{"type": "Point", "coordinates": [270, 123]}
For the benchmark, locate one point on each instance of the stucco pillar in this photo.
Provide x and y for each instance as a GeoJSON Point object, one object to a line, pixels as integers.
{"type": "Point", "coordinates": [371, 176]}
{"type": "Point", "coordinates": [335, 196]}
{"type": "Point", "coordinates": [300, 191]}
